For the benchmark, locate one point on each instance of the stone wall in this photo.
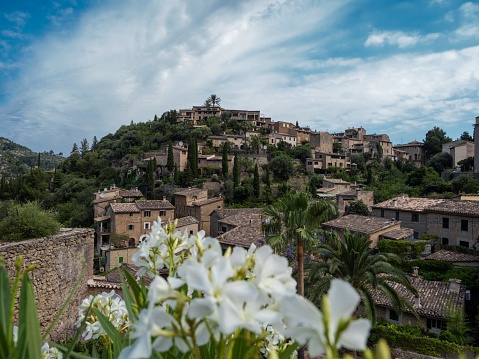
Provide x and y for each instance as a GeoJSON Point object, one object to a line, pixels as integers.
{"type": "Point", "coordinates": [60, 260]}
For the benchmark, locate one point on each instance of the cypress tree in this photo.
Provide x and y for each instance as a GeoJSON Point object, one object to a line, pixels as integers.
{"type": "Point", "coordinates": [38, 161]}
{"type": "Point", "coordinates": [170, 162]}
{"type": "Point", "coordinates": [176, 176]}
{"type": "Point", "coordinates": [194, 164]}
{"type": "Point", "coordinates": [236, 172]}
{"type": "Point", "coordinates": [224, 160]}
{"type": "Point", "coordinates": [256, 185]}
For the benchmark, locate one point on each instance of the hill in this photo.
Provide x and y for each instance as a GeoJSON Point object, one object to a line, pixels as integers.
{"type": "Point", "coordinates": [16, 159]}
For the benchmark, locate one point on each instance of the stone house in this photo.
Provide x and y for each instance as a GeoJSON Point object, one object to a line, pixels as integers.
{"type": "Point", "coordinates": [210, 164]}
{"type": "Point", "coordinates": [458, 259]}
{"type": "Point", "coordinates": [455, 222]}
{"type": "Point", "coordinates": [413, 151]}
{"type": "Point", "coordinates": [430, 304]}
{"type": "Point", "coordinates": [180, 155]}
{"type": "Point", "coordinates": [459, 150]}
{"type": "Point", "coordinates": [371, 227]}
{"type": "Point", "coordinates": [412, 212]}
{"type": "Point", "coordinates": [195, 202]}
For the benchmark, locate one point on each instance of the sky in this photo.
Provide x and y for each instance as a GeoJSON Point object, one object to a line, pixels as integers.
{"type": "Point", "coordinates": [73, 69]}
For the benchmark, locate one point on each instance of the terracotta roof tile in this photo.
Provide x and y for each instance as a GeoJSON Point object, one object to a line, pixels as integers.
{"type": "Point", "coordinates": [184, 221]}
{"type": "Point", "coordinates": [408, 204]}
{"type": "Point", "coordinates": [454, 206]}
{"type": "Point", "coordinates": [361, 224]}
{"type": "Point", "coordinates": [154, 204]}
{"type": "Point", "coordinates": [124, 207]}
{"type": "Point", "coordinates": [450, 256]}
{"type": "Point", "coordinates": [399, 233]}
{"type": "Point", "coordinates": [131, 193]}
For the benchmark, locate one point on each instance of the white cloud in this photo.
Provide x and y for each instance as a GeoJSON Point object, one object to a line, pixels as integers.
{"type": "Point", "coordinates": [18, 17]}
{"type": "Point", "coordinates": [398, 38]}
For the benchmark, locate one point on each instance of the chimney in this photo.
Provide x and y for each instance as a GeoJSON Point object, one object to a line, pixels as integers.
{"type": "Point", "coordinates": [415, 271]}
{"type": "Point", "coordinates": [395, 203]}
{"type": "Point", "coordinates": [454, 285]}
{"type": "Point", "coordinates": [417, 302]}
{"type": "Point", "coordinates": [164, 199]}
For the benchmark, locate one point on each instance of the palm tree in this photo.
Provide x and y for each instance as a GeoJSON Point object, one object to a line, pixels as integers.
{"type": "Point", "coordinates": [295, 220]}
{"type": "Point", "coordinates": [213, 101]}
{"type": "Point", "coordinates": [355, 262]}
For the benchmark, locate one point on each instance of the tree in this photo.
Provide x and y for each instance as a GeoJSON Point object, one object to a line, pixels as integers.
{"type": "Point", "coordinates": [170, 162]}
{"type": "Point", "coordinates": [466, 164]}
{"type": "Point", "coordinates": [354, 261]}
{"type": "Point", "coordinates": [358, 207]}
{"type": "Point", "coordinates": [94, 143]}
{"type": "Point", "coordinates": [440, 161]}
{"type": "Point", "coordinates": [224, 159]}
{"type": "Point", "coordinates": [74, 149]}
{"type": "Point", "coordinates": [281, 166]}
{"type": "Point", "coordinates": [295, 219]}
{"type": "Point", "coordinates": [84, 147]}
{"type": "Point", "coordinates": [466, 136]}
{"type": "Point", "coordinates": [236, 172]}
{"type": "Point", "coordinates": [213, 101]}
{"type": "Point", "coordinates": [256, 184]}
{"type": "Point", "coordinates": [315, 182]}
{"type": "Point", "coordinates": [434, 140]}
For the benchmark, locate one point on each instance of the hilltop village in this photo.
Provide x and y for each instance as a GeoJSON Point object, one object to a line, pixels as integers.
{"type": "Point", "coordinates": [217, 170]}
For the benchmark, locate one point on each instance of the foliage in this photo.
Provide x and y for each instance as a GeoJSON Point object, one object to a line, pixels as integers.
{"type": "Point", "coordinates": [465, 183]}
{"type": "Point", "coordinates": [236, 172]}
{"type": "Point", "coordinates": [440, 162]}
{"type": "Point", "coordinates": [401, 247]}
{"type": "Point", "coordinates": [29, 220]}
{"type": "Point", "coordinates": [456, 325]}
{"type": "Point", "coordinates": [256, 182]}
{"type": "Point", "coordinates": [281, 166]}
{"type": "Point", "coordinates": [224, 160]}
{"type": "Point", "coordinates": [358, 207]}
{"type": "Point", "coordinates": [170, 162]}
{"type": "Point", "coordinates": [466, 136]}
{"type": "Point", "coordinates": [352, 260]}
{"type": "Point", "coordinates": [434, 140]}
{"type": "Point", "coordinates": [466, 164]}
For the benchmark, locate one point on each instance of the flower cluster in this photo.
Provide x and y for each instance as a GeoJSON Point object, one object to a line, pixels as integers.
{"type": "Point", "coordinates": [211, 296]}
{"type": "Point", "coordinates": [48, 352]}
{"type": "Point", "coordinates": [111, 306]}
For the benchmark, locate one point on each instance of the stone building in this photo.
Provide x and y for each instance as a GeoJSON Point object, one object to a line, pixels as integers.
{"type": "Point", "coordinates": [459, 150]}
{"type": "Point", "coordinates": [195, 202]}
{"type": "Point", "coordinates": [410, 211]}
{"type": "Point", "coordinates": [455, 222]}
{"type": "Point", "coordinates": [413, 151]}
{"type": "Point", "coordinates": [343, 199]}
{"type": "Point", "coordinates": [321, 142]}
{"type": "Point", "coordinates": [224, 220]}
{"type": "Point", "coordinates": [322, 161]}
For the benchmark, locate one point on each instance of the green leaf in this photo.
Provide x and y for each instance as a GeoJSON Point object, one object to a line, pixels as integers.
{"type": "Point", "coordinates": [5, 302]}
{"type": "Point", "coordinates": [208, 351]}
{"type": "Point", "coordinates": [111, 331]}
{"type": "Point", "coordinates": [138, 292]}
{"type": "Point", "coordinates": [29, 338]}
{"type": "Point", "coordinates": [286, 354]}
{"type": "Point", "coordinates": [64, 349]}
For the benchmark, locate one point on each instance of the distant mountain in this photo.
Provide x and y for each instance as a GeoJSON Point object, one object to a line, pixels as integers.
{"type": "Point", "coordinates": [16, 159]}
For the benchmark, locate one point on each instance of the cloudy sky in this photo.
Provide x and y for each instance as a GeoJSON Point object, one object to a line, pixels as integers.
{"type": "Point", "coordinates": [73, 69]}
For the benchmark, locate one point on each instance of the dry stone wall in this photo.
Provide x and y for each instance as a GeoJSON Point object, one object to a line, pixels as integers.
{"type": "Point", "coordinates": [60, 260]}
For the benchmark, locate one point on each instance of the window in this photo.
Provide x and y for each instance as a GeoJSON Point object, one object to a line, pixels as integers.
{"type": "Point", "coordinates": [416, 235]}
{"type": "Point", "coordinates": [131, 227]}
{"type": "Point", "coordinates": [120, 260]}
{"type": "Point", "coordinates": [445, 222]}
{"type": "Point", "coordinates": [396, 216]}
{"type": "Point", "coordinates": [415, 217]}
{"type": "Point", "coordinates": [445, 241]}
{"type": "Point", "coordinates": [436, 324]}
{"type": "Point", "coordinates": [464, 244]}
{"type": "Point", "coordinates": [382, 213]}
{"type": "Point", "coordinates": [223, 229]}
{"type": "Point", "coordinates": [464, 225]}
{"type": "Point", "coordinates": [162, 213]}
{"type": "Point", "coordinates": [147, 213]}
{"type": "Point", "coordinates": [131, 214]}
{"type": "Point", "coordinates": [146, 225]}
{"type": "Point", "coordinates": [393, 316]}
{"type": "Point", "coordinates": [191, 232]}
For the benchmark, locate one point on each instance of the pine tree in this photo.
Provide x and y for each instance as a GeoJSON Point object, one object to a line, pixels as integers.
{"type": "Point", "coordinates": [236, 172]}
{"type": "Point", "coordinates": [176, 177]}
{"type": "Point", "coordinates": [256, 185]}
{"type": "Point", "coordinates": [74, 149]}
{"type": "Point", "coordinates": [224, 160]}
{"type": "Point", "coordinates": [170, 162]}
{"type": "Point", "coordinates": [94, 143]}
{"type": "Point", "coordinates": [39, 161]}
{"type": "Point", "coordinates": [84, 147]}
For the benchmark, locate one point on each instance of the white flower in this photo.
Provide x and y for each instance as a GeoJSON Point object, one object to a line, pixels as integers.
{"type": "Point", "coordinates": [15, 334]}
{"type": "Point", "coordinates": [307, 324]}
{"type": "Point", "coordinates": [50, 353]}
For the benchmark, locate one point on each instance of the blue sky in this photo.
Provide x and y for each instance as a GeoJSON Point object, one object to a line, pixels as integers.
{"type": "Point", "coordinates": [76, 69]}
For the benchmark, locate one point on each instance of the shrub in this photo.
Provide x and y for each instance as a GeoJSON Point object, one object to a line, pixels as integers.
{"type": "Point", "coordinates": [29, 220]}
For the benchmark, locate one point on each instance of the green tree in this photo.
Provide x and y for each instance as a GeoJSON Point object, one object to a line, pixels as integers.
{"type": "Point", "coordinates": [74, 149]}
{"type": "Point", "coordinates": [256, 183]}
{"type": "Point", "coordinates": [281, 166]}
{"type": "Point", "coordinates": [440, 162]}
{"type": "Point", "coordinates": [295, 219]}
{"type": "Point", "coordinates": [170, 162]}
{"type": "Point", "coordinates": [236, 172]}
{"type": "Point", "coordinates": [354, 261]}
{"type": "Point", "coordinates": [213, 101]}
{"type": "Point", "coordinates": [358, 207]}
{"type": "Point", "coordinates": [84, 147]}
{"type": "Point", "coordinates": [176, 176]}
{"type": "Point", "coordinates": [466, 164]}
{"type": "Point", "coordinates": [224, 160]}
{"type": "Point", "coordinates": [94, 143]}
{"type": "Point", "coordinates": [26, 221]}
{"type": "Point", "coordinates": [466, 136]}
{"type": "Point", "coordinates": [434, 140]}
{"type": "Point", "coordinates": [315, 182]}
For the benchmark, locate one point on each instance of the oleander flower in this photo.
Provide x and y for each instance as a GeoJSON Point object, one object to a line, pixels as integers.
{"type": "Point", "coordinates": [48, 352]}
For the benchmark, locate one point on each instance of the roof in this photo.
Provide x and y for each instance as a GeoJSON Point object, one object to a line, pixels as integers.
{"type": "Point", "coordinates": [124, 207]}
{"type": "Point", "coordinates": [457, 207]}
{"type": "Point", "coordinates": [243, 218]}
{"type": "Point", "coordinates": [450, 256]}
{"type": "Point", "coordinates": [244, 235]}
{"type": "Point", "coordinates": [405, 203]}
{"type": "Point", "coordinates": [361, 224]}
{"type": "Point", "coordinates": [433, 296]}
{"type": "Point", "coordinates": [399, 233]}
{"type": "Point", "coordinates": [410, 144]}
{"type": "Point", "coordinates": [131, 193]}
{"type": "Point", "coordinates": [223, 213]}
{"type": "Point", "coordinates": [154, 204]}
{"type": "Point", "coordinates": [206, 201]}
{"type": "Point", "coordinates": [185, 221]}
{"type": "Point", "coordinates": [336, 180]}
{"type": "Point", "coordinates": [186, 191]}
